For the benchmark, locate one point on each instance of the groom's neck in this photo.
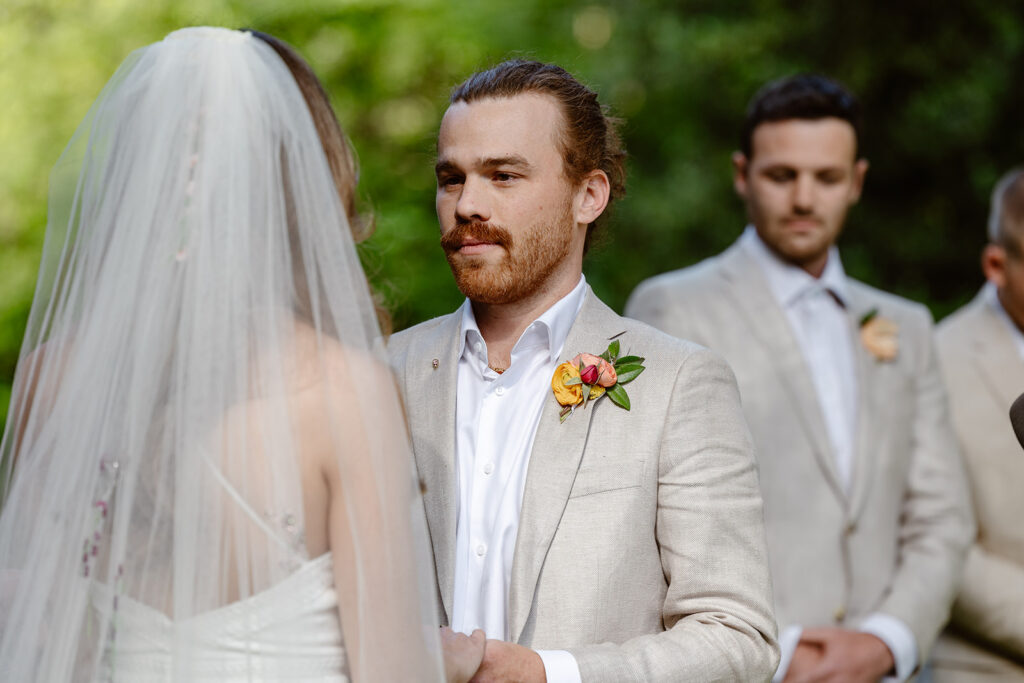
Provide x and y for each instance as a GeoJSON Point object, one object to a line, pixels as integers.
{"type": "Point", "coordinates": [501, 325]}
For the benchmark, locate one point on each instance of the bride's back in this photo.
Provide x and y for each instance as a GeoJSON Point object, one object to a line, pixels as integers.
{"type": "Point", "coordinates": [200, 412]}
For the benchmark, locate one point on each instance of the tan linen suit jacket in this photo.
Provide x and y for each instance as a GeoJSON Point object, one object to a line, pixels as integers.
{"type": "Point", "coordinates": [641, 540]}
{"type": "Point", "coordinates": [896, 542]}
{"type": "Point", "coordinates": [984, 374]}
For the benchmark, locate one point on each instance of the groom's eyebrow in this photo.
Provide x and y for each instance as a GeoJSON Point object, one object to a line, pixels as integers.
{"type": "Point", "coordinates": [508, 161]}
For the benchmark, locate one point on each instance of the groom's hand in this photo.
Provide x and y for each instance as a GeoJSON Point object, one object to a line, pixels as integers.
{"type": "Point", "coordinates": [507, 662]}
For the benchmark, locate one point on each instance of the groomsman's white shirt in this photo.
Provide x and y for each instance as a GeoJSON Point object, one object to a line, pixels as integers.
{"type": "Point", "coordinates": [816, 311]}
{"type": "Point", "coordinates": [496, 418]}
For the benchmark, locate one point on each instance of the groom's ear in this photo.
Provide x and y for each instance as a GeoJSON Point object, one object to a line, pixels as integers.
{"type": "Point", "coordinates": [592, 197]}
{"type": "Point", "coordinates": [740, 165]}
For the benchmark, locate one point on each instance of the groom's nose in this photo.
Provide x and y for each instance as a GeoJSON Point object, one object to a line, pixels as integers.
{"type": "Point", "coordinates": [472, 204]}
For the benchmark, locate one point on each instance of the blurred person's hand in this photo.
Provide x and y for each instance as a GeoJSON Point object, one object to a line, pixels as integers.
{"type": "Point", "coordinates": [836, 655]}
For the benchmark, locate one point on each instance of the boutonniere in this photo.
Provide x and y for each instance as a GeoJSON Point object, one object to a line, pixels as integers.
{"type": "Point", "coordinates": [880, 336]}
{"type": "Point", "coordinates": [587, 378]}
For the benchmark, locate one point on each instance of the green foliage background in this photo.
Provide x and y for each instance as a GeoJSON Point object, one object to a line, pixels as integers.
{"type": "Point", "coordinates": [941, 84]}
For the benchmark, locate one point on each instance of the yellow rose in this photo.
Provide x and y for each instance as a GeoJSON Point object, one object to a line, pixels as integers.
{"type": "Point", "coordinates": [566, 395]}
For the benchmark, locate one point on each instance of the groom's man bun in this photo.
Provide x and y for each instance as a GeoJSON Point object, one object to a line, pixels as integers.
{"type": "Point", "coordinates": [804, 96]}
{"type": "Point", "coordinates": [591, 138]}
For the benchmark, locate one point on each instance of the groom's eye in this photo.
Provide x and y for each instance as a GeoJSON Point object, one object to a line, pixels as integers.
{"type": "Point", "coordinates": [449, 181]}
{"type": "Point", "coordinates": [503, 177]}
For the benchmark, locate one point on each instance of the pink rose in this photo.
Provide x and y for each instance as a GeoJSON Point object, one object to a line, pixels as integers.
{"type": "Point", "coordinates": [605, 375]}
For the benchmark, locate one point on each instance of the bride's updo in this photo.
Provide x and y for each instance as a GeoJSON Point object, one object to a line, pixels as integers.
{"type": "Point", "coordinates": [340, 156]}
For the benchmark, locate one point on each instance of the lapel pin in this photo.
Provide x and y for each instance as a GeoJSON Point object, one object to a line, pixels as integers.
{"type": "Point", "coordinates": [435, 363]}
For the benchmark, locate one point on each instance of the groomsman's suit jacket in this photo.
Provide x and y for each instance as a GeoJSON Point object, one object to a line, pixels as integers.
{"type": "Point", "coordinates": [895, 543]}
{"type": "Point", "coordinates": [641, 540]}
{"type": "Point", "coordinates": [984, 374]}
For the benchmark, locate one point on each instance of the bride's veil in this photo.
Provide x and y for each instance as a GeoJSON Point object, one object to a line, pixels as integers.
{"type": "Point", "coordinates": [201, 397]}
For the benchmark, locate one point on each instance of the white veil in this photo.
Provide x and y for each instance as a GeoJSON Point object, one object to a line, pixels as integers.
{"type": "Point", "coordinates": [201, 402]}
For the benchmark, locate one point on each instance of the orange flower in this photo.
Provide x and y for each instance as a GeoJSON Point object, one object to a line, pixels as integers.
{"type": "Point", "coordinates": [567, 395]}
{"type": "Point", "coordinates": [606, 376]}
{"type": "Point", "coordinates": [880, 337]}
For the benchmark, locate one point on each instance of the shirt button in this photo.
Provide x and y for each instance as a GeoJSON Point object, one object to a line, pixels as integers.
{"type": "Point", "coordinates": [481, 550]}
{"type": "Point", "coordinates": [478, 346]}
{"type": "Point", "coordinates": [488, 468]}
{"type": "Point", "coordinates": [500, 391]}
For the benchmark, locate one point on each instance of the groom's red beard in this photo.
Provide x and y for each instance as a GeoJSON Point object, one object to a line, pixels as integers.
{"type": "Point", "coordinates": [519, 272]}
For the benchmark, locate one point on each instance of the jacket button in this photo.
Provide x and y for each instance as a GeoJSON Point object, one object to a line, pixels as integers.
{"type": "Point", "coordinates": [840, 613]}
{"type": "Point", "coordinates": [851, 527]}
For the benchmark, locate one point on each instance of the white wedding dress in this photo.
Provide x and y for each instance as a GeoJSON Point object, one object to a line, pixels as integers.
{"type": "Point", "coordinates": [290, 631]}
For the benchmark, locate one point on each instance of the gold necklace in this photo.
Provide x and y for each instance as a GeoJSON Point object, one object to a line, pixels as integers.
{"type": "Point", "coordinates": [497, 370]}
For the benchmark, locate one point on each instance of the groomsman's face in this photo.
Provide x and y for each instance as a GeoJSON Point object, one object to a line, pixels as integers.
{"type": "Point", "coordinates": [509, 216]}
{"type": "Point", "coordinates": [800, 181]}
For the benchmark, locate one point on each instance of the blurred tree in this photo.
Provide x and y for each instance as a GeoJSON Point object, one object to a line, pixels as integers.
{"type": "Point", "coordinates": [939, 82]}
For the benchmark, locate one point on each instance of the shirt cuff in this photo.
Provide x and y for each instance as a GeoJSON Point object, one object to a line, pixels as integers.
{"type": "Point", "coordinates": [788, 640]}
{"type": "Point", "coordinates": [560, 666]}
{"type": "Point", "coordinates": [898, 637]}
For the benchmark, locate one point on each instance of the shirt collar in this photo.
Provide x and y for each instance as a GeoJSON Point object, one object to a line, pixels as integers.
{"type": "Point", "coordinates": [552, 326]}
{"type": "Point", "coordinates": [788, 282]}
{"type": "Point", "coordinates": [991, 296]}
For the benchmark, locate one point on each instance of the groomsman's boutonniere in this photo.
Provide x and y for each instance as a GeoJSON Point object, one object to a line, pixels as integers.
{"type": "Point", "coordinates": [588, 377]}
{"type": "Point", "coordinates": [880, 336]}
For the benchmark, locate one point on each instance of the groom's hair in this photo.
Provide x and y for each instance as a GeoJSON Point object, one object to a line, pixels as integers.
{"type": "Point", "coordinates": [804, 96]}
{"type": "Point", "coordinates": [590, 138]}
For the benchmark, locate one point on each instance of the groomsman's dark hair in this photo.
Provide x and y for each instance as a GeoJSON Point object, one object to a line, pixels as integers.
{"type": "Point", "coordinates": [805, 96]}
{"type": "Point", "coordinates": [591, 138]}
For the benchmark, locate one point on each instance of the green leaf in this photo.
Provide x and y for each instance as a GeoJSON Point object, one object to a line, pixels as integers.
{"type": "Point", "coordinates": [628, 360]}
{"type": "Point", "coordinates": [613, 351]}
{"type": "Point", "coordinates": [573, 381]}
{"type": "Point", "coordinates": [867, 317]}
{"type": "Point", "coordinates": [629, 373]}
{"type": "Point", "coordinates": [618, 396]}
{"type": "Point", "coordinates": [605, 356]}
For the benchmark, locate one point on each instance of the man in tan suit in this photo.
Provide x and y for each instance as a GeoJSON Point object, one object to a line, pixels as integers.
{"type": "Point", "coordinates": [981, 349]}
{"type": "Point", "coordinates": [616, 540]}
{"type": "Point", "coordinates": [865, 500]}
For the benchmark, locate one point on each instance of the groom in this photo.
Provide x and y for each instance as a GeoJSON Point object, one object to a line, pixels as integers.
{"type": "Point", "coordinates": [590, 542]}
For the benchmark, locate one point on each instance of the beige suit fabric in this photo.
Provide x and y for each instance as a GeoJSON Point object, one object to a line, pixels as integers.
{"type": "Point", "coordinates": [641, 541]}
{"type": "Point", "coordinates": [895, 543]}
{"type": "Point", "coordinates": [984, 374]}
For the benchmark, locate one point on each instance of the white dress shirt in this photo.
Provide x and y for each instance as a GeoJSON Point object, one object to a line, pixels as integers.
{"type": "Point", "coordinates": [816, 309]}
{"type": "Point", "coordinates": [496, 419]}
{"type": "Point", "coordinates": [992, 299]}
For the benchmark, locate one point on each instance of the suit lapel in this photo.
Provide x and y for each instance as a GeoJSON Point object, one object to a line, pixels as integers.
{"type": "Point", "coordinates": [996, 355]}
{"type": "Point", "coordinates": [873, 393]}
{"type": "Point", "coordinates": [432, 419]}
{"type": "Point", "coordinates": [554, 459]}
{"type": "Point", "coordinates": [768, 324]}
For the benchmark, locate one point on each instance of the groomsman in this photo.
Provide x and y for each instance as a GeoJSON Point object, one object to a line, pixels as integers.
{"type": "Point", "coordinates": [866, 504]}
{"type": "Point", "coordinates": [610, 541]}
{"type": "Point", "coordinates": [981, 349]}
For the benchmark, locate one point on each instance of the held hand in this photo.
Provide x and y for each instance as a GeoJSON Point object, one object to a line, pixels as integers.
{"type": "Point", "coordinates": [507, 662]}
{"type": "Point", "coordinates": [846, 657]}
{"type": "Point", "coordinates": [806, 659]}
{"type": "Point", "coordinates": [462, 654]}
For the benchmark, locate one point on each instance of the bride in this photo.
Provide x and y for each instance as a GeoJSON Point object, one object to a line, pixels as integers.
{"type": "Point", "coordinates": [205, 472]}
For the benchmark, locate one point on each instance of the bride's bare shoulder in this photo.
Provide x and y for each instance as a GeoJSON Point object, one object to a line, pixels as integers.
{"type": "Point", "coordinates": [318, 361]}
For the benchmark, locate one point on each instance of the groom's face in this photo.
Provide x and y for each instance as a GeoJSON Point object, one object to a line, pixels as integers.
{"type": "Point", "coordinates": [800, 181]}
{"type": "Point", "coordinates": [503, 201]}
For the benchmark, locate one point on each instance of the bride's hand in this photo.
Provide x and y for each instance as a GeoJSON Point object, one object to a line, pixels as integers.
{"type": "Point", "coordinates": [462, 654]}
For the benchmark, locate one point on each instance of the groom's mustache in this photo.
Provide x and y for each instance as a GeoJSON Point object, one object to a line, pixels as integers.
{"type": "Point", "coordinates": [475, 231]}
